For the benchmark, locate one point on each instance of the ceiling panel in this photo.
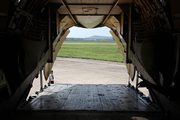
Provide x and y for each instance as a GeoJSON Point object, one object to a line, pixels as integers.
{"type": "Point", "coordinates": [94, 6]}
{"type": "Point", "coordinates": [73, 1]}
{"type": "Point", "coordinates": [90, 9]}
{"type": "Point", "coordinates": [89, 21]}
{"type": "Point", "coordinates": [55, 1]}
{"type": "Point", "coordinates": [104, 9]}
{"type": "Point", "coordinates": [75, 9]}
{"type": "Point", "coordinates": [91, 1]}
{"type": "Point", "coordinates": [62, 10]}
{"type": "Point", "coordinates": [107, 1]}
{"type": "Point", "coordinates": [117, 10]}
{"type": "Point", "coordinates": [124, 1]}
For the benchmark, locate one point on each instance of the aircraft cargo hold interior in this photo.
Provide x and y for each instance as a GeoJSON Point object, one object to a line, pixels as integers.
{"type": "Point", "coordinates": [147, 33]}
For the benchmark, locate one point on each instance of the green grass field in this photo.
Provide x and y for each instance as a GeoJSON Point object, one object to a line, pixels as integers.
{"type": "Point", "coordinates": [105, 51]}
{"type": "Point", "coordinates": [66, 42]}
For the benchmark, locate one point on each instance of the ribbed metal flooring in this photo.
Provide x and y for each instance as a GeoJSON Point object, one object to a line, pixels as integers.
{"type": "Point", "coordinates": [89, 102]}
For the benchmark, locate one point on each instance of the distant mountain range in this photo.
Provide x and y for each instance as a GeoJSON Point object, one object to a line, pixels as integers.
{"type": "Point", "coordinates": [101, 37]}
{"type": "Point", "coordinates": [95, 38]}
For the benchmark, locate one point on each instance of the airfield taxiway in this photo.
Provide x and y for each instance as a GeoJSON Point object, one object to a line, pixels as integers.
{"type": "Point", "coordinates": [86, 71]}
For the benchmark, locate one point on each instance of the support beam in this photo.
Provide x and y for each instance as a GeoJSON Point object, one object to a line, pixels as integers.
{"type": "Point", "coordinates": [89, 4]}
{"type": "Point", "coordinates": [128, 60]}
{"type": "Point", "coordinates": [49, 35]}
{"type": "Point", "coordinates": [57, 23]}
{"type": "Point", "coordinates": [110, 12]}
{"type": "Point", "coordinates": [41, 81]}
{"type": "Point", "coordinates": [69, 11]}
{"type": "Point", "coordinates": [52, 8]}
{"type": "Point", "coordinates": [137, 79]}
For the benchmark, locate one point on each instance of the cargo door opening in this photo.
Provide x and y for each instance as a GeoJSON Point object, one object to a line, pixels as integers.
{"type": "Point", "coordinates": [93, 84]}
{"type": "Point", "coordinates": [104, 46]}
{"type": "Point", "coordinates": [99, 99]}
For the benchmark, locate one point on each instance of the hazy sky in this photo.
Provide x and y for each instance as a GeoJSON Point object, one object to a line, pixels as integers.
{"type": "Point", "coordinates": [78, 32]}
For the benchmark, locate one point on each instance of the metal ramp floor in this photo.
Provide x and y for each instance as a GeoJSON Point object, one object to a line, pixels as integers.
{"type": "Point", "coordinates": [89, 102]}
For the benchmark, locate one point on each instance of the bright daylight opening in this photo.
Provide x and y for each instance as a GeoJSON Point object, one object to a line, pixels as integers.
{"type": "Point", "coordinates": [89, 65]}
{"type": "Point", "coordinates": [88, 56]}
{"type": "Point", "coordinates": [78, 32]}
{"type": "Point", "coordinates": [89, 74]}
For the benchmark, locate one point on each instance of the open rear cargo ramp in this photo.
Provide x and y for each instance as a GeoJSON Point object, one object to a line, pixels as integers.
{"type": "Point", "coordinates": [89, 102]}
